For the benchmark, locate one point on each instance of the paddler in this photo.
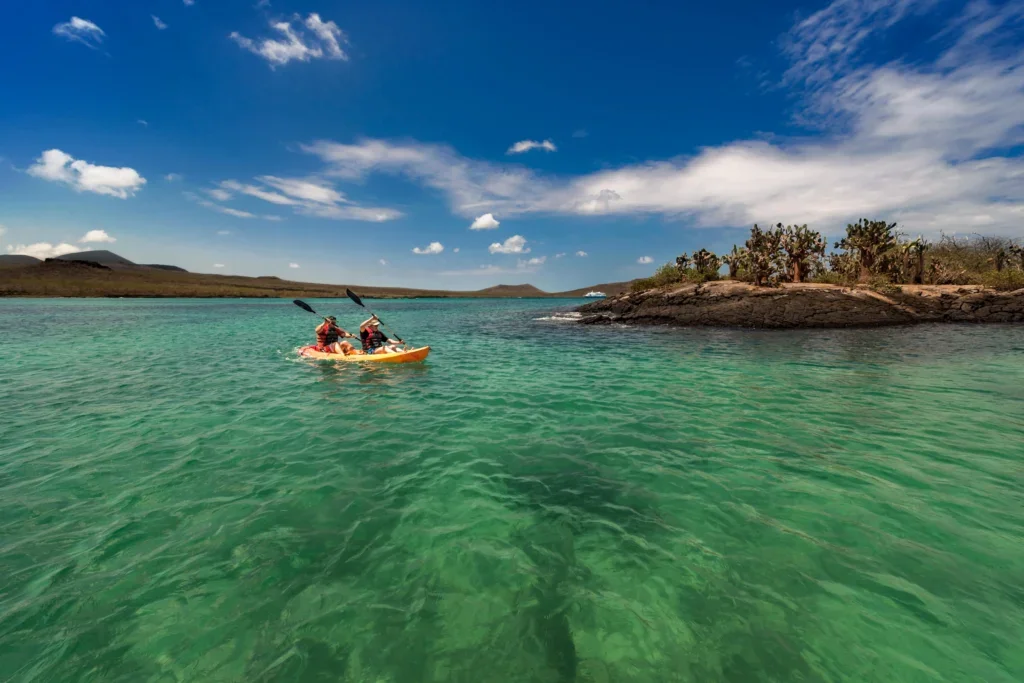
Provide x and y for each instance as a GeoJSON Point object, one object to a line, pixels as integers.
{"type": "Point", "coordinates": [375, 341]}
{"type": "Point", "coordinates": [328, 335]}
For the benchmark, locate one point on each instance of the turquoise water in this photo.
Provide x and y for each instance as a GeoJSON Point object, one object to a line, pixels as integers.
{"type": "Point", "coordinates": [182, 499]}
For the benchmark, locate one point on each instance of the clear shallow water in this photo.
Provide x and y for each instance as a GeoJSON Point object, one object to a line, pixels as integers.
{"type": "Point", "coordinates": [181, 499]}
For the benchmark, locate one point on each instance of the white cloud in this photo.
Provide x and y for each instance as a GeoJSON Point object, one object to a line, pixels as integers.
{"type": "Point", "coordinates": [142, 122]}
{"type": "Point", "coordinates": [926, 144]}
{"type": "Point", "coordinates": [826, 43]}
{"type": "Point", "coordinates": [455, 250]}
{"type": "Point", "coordinates": [218, 265]}
{"type": "Point", "coordinates": [293, 265]}
{"type": "Point", "coordinates": [383, 262]}
{"type": "Point", "coordinates": [313, 197]}
{"type": "Point", "coordinates": [535, 261]}
{"type": "Point", "coordinates": [526, 145]}
{"type": "Point", "coordinates": [81, 31]}
{"type": "Point", "coordinates": [219, 194]}
{"type": "Point", "coordinates": [189, 3]}
{"type": "Point", "coordinates": [581, 253]}
{"type": "Point", "coordinates": [516, 244]}
{"type": "Point", "coordinates": [229, 211]}
{"type": "Point", "coordinates": [42, 250]}
{"type": "Point", "coordinates": [252, 191]}
{"type": "Point", "coordinates": [303, 41]}
{"type": "Point", "coordinates": [159, 24]}
{"type": "Point", "coordinates": [432, 248]}
{"type": "Point", "coordinates": [560, 255]}
{"type": "Point", "coordinates": [307, 189]}
{"type": "Point", "coordinates": [223, 232]}
{"type": "Point", "coordinates": [645, 260]}
{"type": "Point", "coordinates": [57, 166]}
{"type": "Point", "coordinates": [97, 236]}
{"type": "Point", "coordinates": [485, 222]}
{"type": "Point", "coordinates": [213, 206]}
{"type": "Point", "coordinates": [172, 177]}
{"type": "Point", "coordinates": [580, 133]}
{"type": "Point", "coordinates": [470, 185]}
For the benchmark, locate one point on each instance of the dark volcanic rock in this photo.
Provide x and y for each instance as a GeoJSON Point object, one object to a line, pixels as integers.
{"type": "Point", "coordinates": [738, 304]}
{"type": "Point", "coordinates": [159, 266]}
{"type": "Point", "coordinates": [107, 258]}
{"type": "Point", "coordinates": [75, 263]}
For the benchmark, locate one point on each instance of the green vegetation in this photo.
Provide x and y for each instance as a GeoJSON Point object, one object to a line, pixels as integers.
{"type": "Point", "coordinates": [703, 266]}
{"type": "Point", "coordinates": [872, 253]}
{"type": "Point", "coordinates": [803, 249]}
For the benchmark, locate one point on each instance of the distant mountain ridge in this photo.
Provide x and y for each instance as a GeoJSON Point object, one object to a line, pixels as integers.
{"type": "Point", "coordinates": [9, 260]}
{"type": "Point", "coordinates": [101, 256]}
{"type": "Point", "coordinates": [110, 274]}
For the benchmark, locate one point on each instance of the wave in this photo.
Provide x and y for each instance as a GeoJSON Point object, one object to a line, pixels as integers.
{"type": "Point", "coordinates": [570, 317]}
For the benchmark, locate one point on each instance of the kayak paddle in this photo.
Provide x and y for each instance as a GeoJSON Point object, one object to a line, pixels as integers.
{"type": "Point", "coordinates": [355, 297]}
{"type": "Point", "coordinates": [306, 307]}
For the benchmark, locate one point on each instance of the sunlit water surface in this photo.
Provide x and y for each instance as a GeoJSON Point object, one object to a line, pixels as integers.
{"type": "Point", "coordinates": [182, 499]}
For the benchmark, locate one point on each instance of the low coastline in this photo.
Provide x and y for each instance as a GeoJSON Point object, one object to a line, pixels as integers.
{"type": "Point", "coordinates": [58, 278]}
{"type": "Point", "coordinates": [731, 303]}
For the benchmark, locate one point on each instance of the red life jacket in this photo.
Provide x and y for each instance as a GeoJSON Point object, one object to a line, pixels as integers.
{"type": "Point", "coordinates": [372, 338]}
{"type": "Point", "coordinates": [327, 334]}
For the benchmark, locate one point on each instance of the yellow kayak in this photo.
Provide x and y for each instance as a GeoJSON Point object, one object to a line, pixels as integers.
{"type": "Point", "coordinates": [407, 356]}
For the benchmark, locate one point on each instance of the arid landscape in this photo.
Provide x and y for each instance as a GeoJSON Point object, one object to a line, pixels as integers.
{"type": "Point", "coordinates": [106, 274]}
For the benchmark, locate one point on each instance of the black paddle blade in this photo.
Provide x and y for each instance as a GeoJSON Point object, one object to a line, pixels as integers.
{"type": "Point", "coordinates": [303, 305]}
{"type": "Point", "coordinates": [352, 295]}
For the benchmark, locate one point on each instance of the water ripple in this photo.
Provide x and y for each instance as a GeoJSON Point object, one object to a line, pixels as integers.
{"type": "Point", "coordinates": [537, 502]}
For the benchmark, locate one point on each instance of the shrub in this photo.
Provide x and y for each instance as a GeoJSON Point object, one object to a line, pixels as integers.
{"type": "Point", "coordinates": [665, 275]}
{"type": "Point", "coordinates": [802, 247]}
{"type": "Point", "coordinates": [736, 260]}
{"type": "Point", "coordinates": [705, 261]}
{"type": "Point", "coordinates": [975, 254]}
{"type": "Point", "coordinates": [1005, 279]}
{"type": "Point", "coordinates": [830, 277]}
{"type": "Point", "coordinates": [764, 252]}
{"type": "Point", "coordinates": [868, 241]}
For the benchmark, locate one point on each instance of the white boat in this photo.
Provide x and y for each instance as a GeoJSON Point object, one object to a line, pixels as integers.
{"type": "Point", "coordinates": [595, 294]}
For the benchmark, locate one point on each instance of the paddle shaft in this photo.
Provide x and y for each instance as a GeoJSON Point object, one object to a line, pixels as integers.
{"type": "Point", "coordinates": [385, 326]}
{"type": "Point", "coordinates": [352, 295]}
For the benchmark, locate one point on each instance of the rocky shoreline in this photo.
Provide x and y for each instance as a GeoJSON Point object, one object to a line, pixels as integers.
{"type": "Point", "coordinates": [729, 303]}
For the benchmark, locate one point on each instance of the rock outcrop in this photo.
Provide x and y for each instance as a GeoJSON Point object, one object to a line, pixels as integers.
{"type": "Point", "coordinates": [729, 303]}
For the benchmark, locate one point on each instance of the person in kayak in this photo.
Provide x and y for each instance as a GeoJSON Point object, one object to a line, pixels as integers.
{"type": "Point", "coordinates": [328, 335]}
{"type": "Point", "coordinates": [375, 341]}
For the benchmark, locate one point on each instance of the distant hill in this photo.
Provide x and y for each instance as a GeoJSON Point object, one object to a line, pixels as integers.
{"type": "Point", "coordinates": [103, 273]}
{"type": "Point", "coordinates": [101, 256]}
{"type": "Point", "coordinates": [512, 291]}
{"type": "Point", "coordinates": [158, 266]}
{"type": "Point", "coordinates": [17, 260]}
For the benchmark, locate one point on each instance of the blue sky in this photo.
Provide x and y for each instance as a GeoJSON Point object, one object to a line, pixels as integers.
{"type": "Point", "coordinates": [460, 144]}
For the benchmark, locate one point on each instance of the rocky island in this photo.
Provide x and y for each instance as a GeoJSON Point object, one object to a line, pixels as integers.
{"type": "Point", "coordinates": [784, 277]}
{"type": "Point", "coordinates": [729, 303]}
